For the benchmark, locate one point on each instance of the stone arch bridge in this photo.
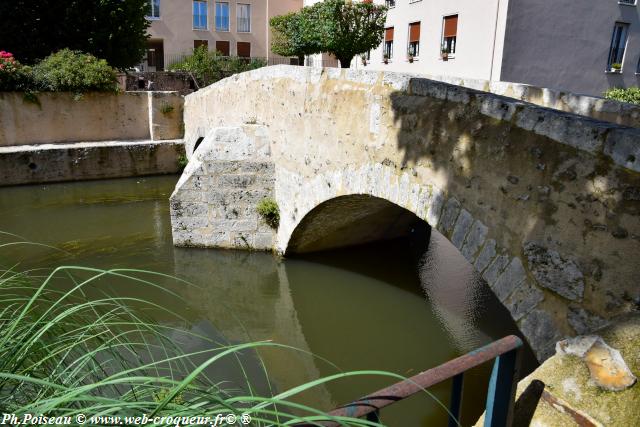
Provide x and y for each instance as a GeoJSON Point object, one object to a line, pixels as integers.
{"type": "Point", "coordinates": [544, 204]}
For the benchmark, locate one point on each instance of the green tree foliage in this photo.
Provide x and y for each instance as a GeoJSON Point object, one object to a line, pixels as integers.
{"type": "Point", "coordinates": [631, 95]}
{"type": "Point", "coordinates": [111, 29]}
{"type": "Point", "coordinates": [207, 67]}
{"type": "Point", "coordinates": [295, 34]}
{"type": "Point", "coordinates": [350, 28]}
{"type": "Point", "coordinates": [69, 71]}
{"type": "Point", "coordinates": [341, 27]}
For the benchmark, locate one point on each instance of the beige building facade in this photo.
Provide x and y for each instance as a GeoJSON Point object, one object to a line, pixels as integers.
{"type": "Point", "coordinates": [232, 27]}
{"type": "Point", "coordinates": [582, 46]}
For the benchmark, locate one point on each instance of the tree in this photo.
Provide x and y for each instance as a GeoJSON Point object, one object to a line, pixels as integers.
{"type": "Point", "coordinates": [294, 34]}
{"type": "Point", "coordinates": [114, 30]}
{"type": "Point", "coordinates": [341, 27]}
{"type": "Point", "coordinates": [350, 28]}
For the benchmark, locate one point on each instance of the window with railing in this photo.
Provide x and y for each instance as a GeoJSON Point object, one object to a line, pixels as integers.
{"type": "Point", "coordinates": [390, 3]}
{"type": "Point", "coordinates": [154, 9]}
{"type": "Point", "coordinates": [414, 39]}
{"type": "Point", "coordinates": [388, 44]}
{"type": "Point", "coordinates": [618, 45]}
{"type": "Point", "coordinates": [199, 15]}
{"type": "Point", "coordinates": [449, 34]}
{"type": "Point", "coordinates": [222, 16]}
{"type": "Point", "coordinates": [244, 18]}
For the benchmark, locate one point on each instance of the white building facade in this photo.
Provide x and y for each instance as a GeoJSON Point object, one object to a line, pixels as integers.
{"type": "Point", "coordinates": [584, 46]}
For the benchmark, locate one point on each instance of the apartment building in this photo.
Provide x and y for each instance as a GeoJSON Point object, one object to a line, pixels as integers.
{"type": "Point", "coordinates": [584, 46]}
{"type": "Point", "coordinates": [232, 27]}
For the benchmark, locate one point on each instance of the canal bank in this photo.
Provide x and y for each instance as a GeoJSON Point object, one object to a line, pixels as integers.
{"type": "Point", "coordinates": [53, 137]}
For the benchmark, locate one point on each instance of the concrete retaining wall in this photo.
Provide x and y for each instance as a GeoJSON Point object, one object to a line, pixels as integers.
{"type": "Point", "coordinates": [598, 108]}
{"type": "Point", "coordinates": [31, 164]}
{"type": "Point", "coordinates": [52, 118]}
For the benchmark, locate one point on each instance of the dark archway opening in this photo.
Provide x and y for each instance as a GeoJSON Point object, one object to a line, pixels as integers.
{"type": "Point", "coordinates": [354, 220]}
{"type": "Point", "coordinates": [351, 249]}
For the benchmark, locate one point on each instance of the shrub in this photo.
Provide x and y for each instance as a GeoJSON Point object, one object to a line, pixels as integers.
{"type": "Point", "coordinates": [208, 67]}
{"type": "Point", "coordinates": [72, 71]}
{"type": "Point", "coordinates": [631, 95]}
{"type": "Point", "coordinates": [269, 211]}
{"type": "Point", "coordinates": [13, 75]}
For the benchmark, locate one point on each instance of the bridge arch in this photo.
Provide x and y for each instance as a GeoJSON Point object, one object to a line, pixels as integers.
{"type": "Point", "coordinates": [543, 203]}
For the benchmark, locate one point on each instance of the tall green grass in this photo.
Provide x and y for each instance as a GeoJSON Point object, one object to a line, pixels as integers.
{"type": "Point", "coordinates": [73, 349]}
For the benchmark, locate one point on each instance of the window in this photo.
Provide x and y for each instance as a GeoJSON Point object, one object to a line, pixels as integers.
{"type": "Point", "coordinates": [390, 3]}
{"type": "Point", "coordinates": [449, 34]}
{"type": "Point", "coordinates": [244, 49]}
{"type": "Point", "coordinates": [244, 18]}
{"type": "Point", "coordinates": [199, 15]}
{"type": "Point", "coordinates": [388, 42]}
{"type": "Point", "coordinates": [198, 43]}
{"type": "Point", "coordinates": [155, 9]}
{"type": "Point", "coordinates": [414, 39]}
{"type": "Point", "coordinates": [222, 16]}
{"type": "Point", "coordinates": [222, 47]}
{"type": "Point", "coordinates": [628, 2]}
{"type": "Point", "coordinates": [618, 43]}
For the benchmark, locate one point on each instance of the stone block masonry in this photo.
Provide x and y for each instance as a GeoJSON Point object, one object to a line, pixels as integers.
{"type": "Point", "coordinates": [215, 202]}
{"type": "Point", "coordinates": [543, 203]}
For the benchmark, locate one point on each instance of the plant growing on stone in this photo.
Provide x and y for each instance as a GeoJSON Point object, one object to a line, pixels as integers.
{"type": "Point", "coordinates": [166, 108]}
{"type": "Point", "coordinates": [270, 212]}
{"type": "Point", "coordinates": [182, 161]}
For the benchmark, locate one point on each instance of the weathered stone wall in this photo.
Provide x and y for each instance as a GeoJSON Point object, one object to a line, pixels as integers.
{"type": "Point", "coordinates": [543, 203]}
{"type": "Point", "coordinates": [598, 108]}
{"type": "Point", "coordinates": [35, 164]}
{"type": "Point", "coordinates": [215, 202]}
{"type": "Point", "coordinates": [52, 118]}
{"type": "Point", "coordinates": [180, 82]}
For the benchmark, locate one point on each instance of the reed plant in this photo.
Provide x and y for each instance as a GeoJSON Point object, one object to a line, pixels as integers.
{"type": "Point", "coordinates": [76, 350]}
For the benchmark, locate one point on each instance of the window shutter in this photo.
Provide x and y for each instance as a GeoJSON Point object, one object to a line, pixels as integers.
{"type": "Point", "coordinates": [244, 49]}
{"type": "Point", "coordinates": [198, 43]}
{"type": "Point", "coordinates": [414, 32]}
{"type": "Point", "coordinates": [450, 26]}
{"type": "Point", "coordinates": [388, 34]}
{"type": "Point", "coordinates": [222, 47]}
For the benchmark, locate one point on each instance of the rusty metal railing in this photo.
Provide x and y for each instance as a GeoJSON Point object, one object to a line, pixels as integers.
{"type": "Point", "coordinates": [500, 393]}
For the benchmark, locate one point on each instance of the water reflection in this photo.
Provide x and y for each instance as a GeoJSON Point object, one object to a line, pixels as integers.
{"type": "Point", "coordinates": [390, 306]}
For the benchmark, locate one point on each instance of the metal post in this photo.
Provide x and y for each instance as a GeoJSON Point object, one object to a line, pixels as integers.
{"type": "Point", "coordinates": [374, 416]}
{"type": "Point", "coordinates": [456, 400]}
{"type": "Point", "coordinates": [501, 392]}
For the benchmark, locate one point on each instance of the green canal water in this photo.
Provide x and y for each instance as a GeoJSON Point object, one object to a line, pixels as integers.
{"type": "Point", "coordinates": [402, 306]}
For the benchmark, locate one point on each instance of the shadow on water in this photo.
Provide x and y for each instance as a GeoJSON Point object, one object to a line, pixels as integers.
{"type": "Point", "coordinates": [461, 314]}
